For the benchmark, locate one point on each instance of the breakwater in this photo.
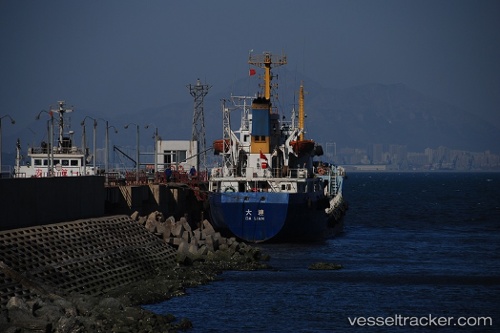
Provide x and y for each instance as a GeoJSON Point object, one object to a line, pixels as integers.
{"type": "Point", "coordinates": [86, 256]}
{"type": "Point", "coordinates": [91, 274]}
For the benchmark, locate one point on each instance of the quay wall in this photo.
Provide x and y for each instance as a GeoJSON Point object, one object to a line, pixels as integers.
{"type": "Point", "coordinates": [88, 256]}
{"type": "Point", "coordinates": [27, 202]}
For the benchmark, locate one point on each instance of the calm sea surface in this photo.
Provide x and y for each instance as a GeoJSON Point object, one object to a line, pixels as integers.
{"type": "Point", "coordinates": [420, 246]}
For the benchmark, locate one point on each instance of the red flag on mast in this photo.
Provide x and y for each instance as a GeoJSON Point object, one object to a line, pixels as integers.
{"type": "Point", "coordinates": [264, 161]}
{"type": "Point", "coordinates": [252, 72]}
{"type": "Point", "coordinates": [263, 156]}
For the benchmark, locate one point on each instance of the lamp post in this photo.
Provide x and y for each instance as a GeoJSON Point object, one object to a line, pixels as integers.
{"type": "Point", "coordinates": [84, 148]}
{"type": "Point", "coordinates": [106, 148]}
{"type": "Point", "coordinates": [12, 121]}
{"type": "Point", "coordinates": [50, 133]}
{"type": "Point", "coordinates": [137, 152]}
{"type": "Point", "coordinates": [93, 142]}
{"type": "Point", "coordinates": [106, 152]}
{"type": "Point", "coordinates": [107, 142]}
{"type": "Point", "coordinates": [155, 146]}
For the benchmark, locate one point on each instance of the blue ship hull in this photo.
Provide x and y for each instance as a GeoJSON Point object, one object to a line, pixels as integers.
{"type": "Point", "coordinates": [268, 216]}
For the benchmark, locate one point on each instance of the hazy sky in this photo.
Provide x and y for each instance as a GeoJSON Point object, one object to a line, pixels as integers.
{"type": "Point", "coordinates": [117, 57]}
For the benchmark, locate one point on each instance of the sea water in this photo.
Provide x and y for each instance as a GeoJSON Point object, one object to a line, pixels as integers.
{"type": "Point", "coordinates": [420, 252]}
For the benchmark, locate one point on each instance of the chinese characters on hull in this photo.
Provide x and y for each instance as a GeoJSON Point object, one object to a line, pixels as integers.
{"type": "Point", "coordinates": [250, 216]}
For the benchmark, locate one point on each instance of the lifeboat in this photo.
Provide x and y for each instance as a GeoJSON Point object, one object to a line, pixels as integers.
{"type": "Point", "coordinates": [302, 146]}
{"type": "Point", "coordinates": [219, 146]}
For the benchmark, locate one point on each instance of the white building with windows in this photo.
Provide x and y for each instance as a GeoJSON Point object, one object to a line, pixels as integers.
{"type": "Point", "coordinates": [177, 155]}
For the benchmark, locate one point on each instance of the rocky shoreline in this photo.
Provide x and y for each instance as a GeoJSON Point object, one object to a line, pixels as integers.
{"type": "Point", "coordinates": [202, 254]}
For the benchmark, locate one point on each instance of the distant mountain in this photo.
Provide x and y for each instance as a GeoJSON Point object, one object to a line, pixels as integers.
{"type": "Point", "coordinates": [352, 117]}
{"type": "Point", "coordinates": [396, 114]}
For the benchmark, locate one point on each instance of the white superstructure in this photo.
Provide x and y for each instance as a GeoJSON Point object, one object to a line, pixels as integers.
{"type": "Point", "coordinates": [55, 160]}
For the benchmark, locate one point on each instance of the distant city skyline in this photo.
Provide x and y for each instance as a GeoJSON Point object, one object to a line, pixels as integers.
{"type": "Point", "coordinates": [397, 158]}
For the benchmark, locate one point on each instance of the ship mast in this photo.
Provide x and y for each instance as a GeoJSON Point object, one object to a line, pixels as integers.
{"type": "Point", "coordinates": [265, 134]}
{"type": "Point", "coordinates": [266, 61]}
{"type": "Point", "coordinates": [301, 111]}
{"type": "Point", "coordinates": [61, 110]}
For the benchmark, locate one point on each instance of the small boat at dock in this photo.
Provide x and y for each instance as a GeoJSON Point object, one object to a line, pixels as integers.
{"type": "Point", "coordinates": [61, 159]}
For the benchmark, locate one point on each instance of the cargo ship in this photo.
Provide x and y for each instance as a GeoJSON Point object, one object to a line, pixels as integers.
{"type": "Point", "coordinates": [268, 187]}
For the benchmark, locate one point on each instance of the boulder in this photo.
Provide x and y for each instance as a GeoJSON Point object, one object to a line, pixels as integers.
{"type": "Point", "coordinates": [186, 235]}
{"type": "Point", "coordinates": [163, 229]}
{"type": "Point", "coordinates": [18, 303]}
{"type": "Point", "coordinates": [207, 228]}
{"type": "Point", "coordinates": [142, 220]}
{"type": "Point", "coordinates": [203, 243]}
{"type": "Point", "coordinates": [212, 242]}
{"type": "Point", "coordinates": [197, 234]}
{"type": "Point", "coordinates": [178, 229]}
{"type": "Point", "coordinates": [324, 266]}
{"type": "Point", "coordinates": [152, 216]}
{"type": "Point", "coordinates": [151, 225]}
{"type": "Point", "coordinates": [203, 250]}
{"type": "Point", "coordinates": [135, 216]}
{"type": "Point", "coordinates": [185, 224]}
{"type": "Point", "coordinates": [160, 217]}
{"type": "Point", "coordinates": [183, 247]}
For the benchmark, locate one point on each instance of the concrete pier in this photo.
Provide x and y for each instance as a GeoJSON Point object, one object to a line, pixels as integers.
{"type": "Point", "coordinates": [173, 199]}
{"type": "Point", "coordinates": [27, 202]}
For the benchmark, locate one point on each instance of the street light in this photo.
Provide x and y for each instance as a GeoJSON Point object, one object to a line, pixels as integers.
{"type": "Point", "coordinates": [155, 146]}
{"type": "Point", "coordinates": [12, 121]}
{"type": "Point", "coordinates": [137, 152]}
{"type": "Point", "coordinates": [93, 143]}
{"type": "Point", "coordinates": [50, 133]}
{"type": "Point", "coordinates": [106, 159]}
{"type": "Point", "coordinates": [107, 147]}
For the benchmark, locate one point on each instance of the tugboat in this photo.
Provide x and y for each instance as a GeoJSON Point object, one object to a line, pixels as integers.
{"type": "Point", "coordinates": [50, 160]}
{"type": "Point", "coordinates": [268, 188]}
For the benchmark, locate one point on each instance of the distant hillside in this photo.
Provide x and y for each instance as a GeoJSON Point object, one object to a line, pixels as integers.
{"type": "Point", "coordinates": [396, 114]}
{"type": "Point", "coordinates": [351, 117]}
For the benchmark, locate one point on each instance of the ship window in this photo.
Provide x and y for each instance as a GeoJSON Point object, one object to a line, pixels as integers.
{"type": "Point", "coordinates": [245, 138]}
{"type": "Point", "coordinates": [45, 162]}
{"type": "Point", "coordinates": [74, 162]}
{"type": "Point", "coordinates": [260, 138]}
{"type": "Point", "coordinates": [65, 162]}
{"type": "Point", "coordinates": [37, 162]}
{"type": "Point", "coordinates": [56, 162]}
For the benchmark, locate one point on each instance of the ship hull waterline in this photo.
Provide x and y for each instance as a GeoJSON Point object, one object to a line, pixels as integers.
{"type": "Point", "coordinates": [272, 217]}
